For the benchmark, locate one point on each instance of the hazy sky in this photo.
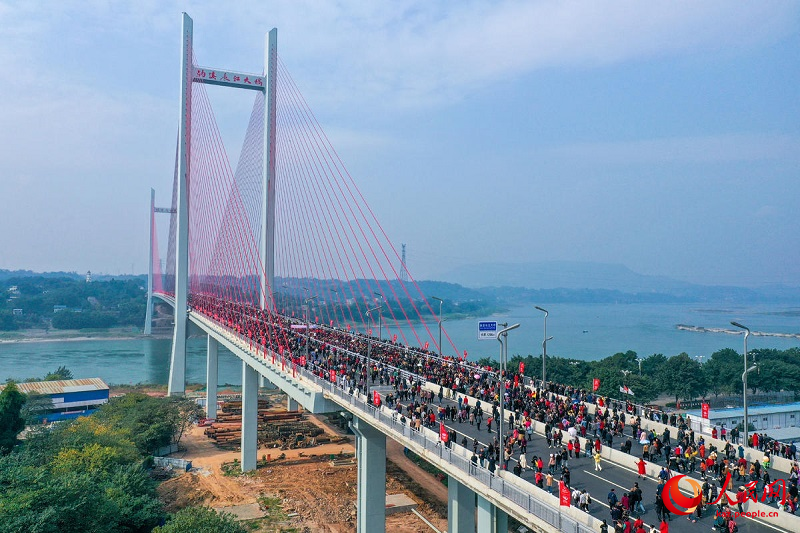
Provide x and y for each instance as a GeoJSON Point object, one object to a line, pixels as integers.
{"type": "Point", "coordinates": [661, 135]}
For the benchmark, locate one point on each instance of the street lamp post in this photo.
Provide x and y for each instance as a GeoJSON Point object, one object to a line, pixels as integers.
{"type": "Point", "coordinates": [744, 378]}
{"type": "Point", "coordinates": [369, 352]}
{"type": "Point", "coordinates": [380, 315]}
{"type": "Point", "coordinates": [503, 334]}
{"type": "Point", "coordinates": [544, 351]}
{"type": "Point", "coordinates": [640, 360]}
{"type": "Point", "coordinates": [440, 322]}
{"type": "Point", "coordinates": [308, 319]}
{"type": "Point", "coordinates": [544, 347]}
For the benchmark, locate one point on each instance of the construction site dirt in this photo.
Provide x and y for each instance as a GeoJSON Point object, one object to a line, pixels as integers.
{"type": "Point", "coordinates": [309, 488]}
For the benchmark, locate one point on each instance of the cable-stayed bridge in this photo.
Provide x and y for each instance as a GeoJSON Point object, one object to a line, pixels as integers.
{"type": "Point", "coordinates": [280, 260]}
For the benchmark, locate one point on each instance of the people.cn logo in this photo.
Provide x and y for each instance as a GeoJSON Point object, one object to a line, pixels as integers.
{"type": "Point", "coordinates": [674, 500]}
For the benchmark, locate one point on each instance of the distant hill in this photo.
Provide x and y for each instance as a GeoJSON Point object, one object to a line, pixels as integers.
{"type": "Point", "coordinates": [9, 274]}
{"type": "Point", "coordinates": [561, 275]}
{"type": "Point", "coordinates": [586, 281]}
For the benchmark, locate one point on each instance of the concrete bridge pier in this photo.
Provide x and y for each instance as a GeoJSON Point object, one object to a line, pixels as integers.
{"type": "Point", "coordinates": [371, 458]}
{"type": "Point", "coordinates": [249, 417]}
{"type": "Point", "coordinates": [491, 519]}
{"type": "Point", "coordinates": [291, 404]}
{"type": "Point", "coordinates": [460, 507]}
{"type": "Point", "coordinates": [212, 371]}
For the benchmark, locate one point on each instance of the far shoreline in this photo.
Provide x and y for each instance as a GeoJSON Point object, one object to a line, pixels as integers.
{"type": "Point", "coordinates": [79, 338]}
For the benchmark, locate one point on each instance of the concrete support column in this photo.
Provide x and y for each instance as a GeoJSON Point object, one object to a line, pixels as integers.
{"type": "Point", "coordinates": [249, 417]}
{"type": "Point", "coordinates": [490, 518]}
{"type": "Point", "coordinates": [460, 507]}
{"type": "Point", "coordinates": [291, 404]}
{"type": "Point", "coordinates": [371, 457]}
{"type": "Point", "coordinates": [212, 369]}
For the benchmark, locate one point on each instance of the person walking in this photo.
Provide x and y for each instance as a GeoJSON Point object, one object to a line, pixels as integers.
{"type": "Point", "coordinates": [597, 466]}
{"type": "Point", "coordinates": [642, 468]}
{"type": "Point", "coordinates": [584, 501]}
{"type": "Point", "coordinates": [638, 499]}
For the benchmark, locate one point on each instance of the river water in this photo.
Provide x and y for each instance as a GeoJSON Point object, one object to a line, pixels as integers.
{"type": "Point", "coordinates": [582, 331]}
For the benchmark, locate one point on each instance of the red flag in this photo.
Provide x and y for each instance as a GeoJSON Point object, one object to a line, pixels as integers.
{"type": "Point", "coordinates": [333, 375]}
{"type": "Point", "coordinates": [426, 345]}
{"type": "Point", "coordinates": [331, 323]}
{"type": "Point", "coordinates": [521, 367]}
{"type": "Point", "coordinates": [444, 436]}
{"type": "Point", "coordinates": [595, 384]}
{"type": "Point", "coordinates": [394, 337]}
{"type": "Point", "coordinates": [348, 327]}
{"type": "Point", "coordinates": [376, 398]}
{"type": "Point", "coordinates": [704, 410]}
{"type": "Point", "coordinates": [516, 380]}
{"type": "Point", "coordinates": [465, 355]}
{"type": "Point", "coordinates": [564, 495]}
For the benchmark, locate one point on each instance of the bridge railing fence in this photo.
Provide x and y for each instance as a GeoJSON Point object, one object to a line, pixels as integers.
{"type": "Point", "coordinates": [497, 484]}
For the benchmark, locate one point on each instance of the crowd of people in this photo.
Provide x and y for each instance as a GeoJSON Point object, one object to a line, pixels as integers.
{"type": "Point", "coordinates": [357, 362]}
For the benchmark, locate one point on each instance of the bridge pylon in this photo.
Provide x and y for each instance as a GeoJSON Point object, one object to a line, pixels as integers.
{"type": "Point", "coordinates": [266, 84]}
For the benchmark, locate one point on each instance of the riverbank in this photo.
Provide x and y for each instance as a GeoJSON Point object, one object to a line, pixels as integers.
{"type": "Point", "coordinates": [76, 335]}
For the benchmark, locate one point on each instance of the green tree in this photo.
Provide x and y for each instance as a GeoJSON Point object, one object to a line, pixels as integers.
{"type": "Point", "coordinates": [150, 422]}
{"type": "Point", "coordinates": [11, 420]}
{"type": "Point", "coordinates": [653, 365]}
{"type": "Point", "coordinates": [35, 405]}
{"type": "Point", "coordinates": [61, 373]}
{"type": "Point", "coordinates": [196, 519]}
{"type": "Point", "coordinates": [80, 476]}
{"type": "Point", "coordinates": [683, 377]}
{"type": "Point", "coordinates": [723, 372]}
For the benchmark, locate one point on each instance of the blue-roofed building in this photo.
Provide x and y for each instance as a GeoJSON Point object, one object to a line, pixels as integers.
{"type": "Point", "coordinates": [69, 398]}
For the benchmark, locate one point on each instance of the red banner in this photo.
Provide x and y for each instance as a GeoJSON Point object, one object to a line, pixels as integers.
{"type": "Point", "coordinates": [516, 381]}
{"type": "Point", "coordinates": [521, 367]}
{"type": "Point", "coordinates": [704, 410]}
{"type": "Point", "coordinates": [394, 337]}
{"type": "Point", "coordinates": [444, 436]}
{"type": "Point", "coordinates": [376, 398]}
{"type": "Point", "coordinates": [595, 384]}
{"type": "Point", "coordinates": [465, 355]}
{"type": "Point", "coordinates": [564, 495]}
{"type": "Point", "coordinates": [426, 345]}
{"type": "Point", "coordinates": [333, 375]}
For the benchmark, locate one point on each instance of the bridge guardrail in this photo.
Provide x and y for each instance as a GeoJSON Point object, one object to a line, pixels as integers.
{"type": "Point", "coordinates": [522, 498]}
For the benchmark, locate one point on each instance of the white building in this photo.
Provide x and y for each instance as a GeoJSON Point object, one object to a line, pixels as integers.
{"type": "Point", "coordinates": [764, 418]}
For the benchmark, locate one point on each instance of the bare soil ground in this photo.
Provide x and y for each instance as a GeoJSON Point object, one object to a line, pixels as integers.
{"type": "Point", "coordinates": [313, 494]}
